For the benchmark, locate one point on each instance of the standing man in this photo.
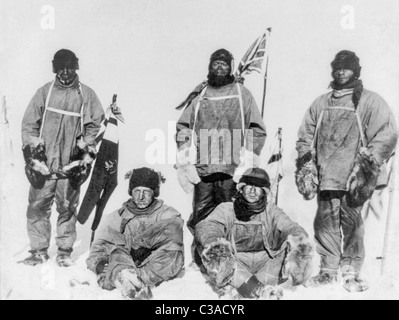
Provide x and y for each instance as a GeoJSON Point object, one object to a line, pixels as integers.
{"type": "Point", "coordinates": [140, 245]}
{"type": "Point", "coordinates": [59, 126]}
{"type": "Point", "coordinates": [250, 246]}
{"type": "Point", "coordinates": [345, 138]}
{"type": "Point", "coordinates": [225, 126]}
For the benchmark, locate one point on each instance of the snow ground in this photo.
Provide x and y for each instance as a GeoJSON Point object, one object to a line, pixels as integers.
{"type": "Point", "coordinates": [50, 282]}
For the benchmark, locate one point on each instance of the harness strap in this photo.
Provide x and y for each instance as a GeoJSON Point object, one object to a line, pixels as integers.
{"type": "Point", "coordinates": [45, 108]}
{"type": "Point", "coordinates": [339, 108]}
{"type": "Point", "coordinates": [196, 112]}
{"type": "Point", "coordinates": [242, 113]}
{"type": "Point", "coordinates": [358, 120]}
{"type": "Point", "coordinates": [68, 113]}
{"type": "Point", "coordinates": [312, 145]}
{"type": "Point", "coordinates": [362, 135]}
{"type": "Point", "coordinates": [221, 98]}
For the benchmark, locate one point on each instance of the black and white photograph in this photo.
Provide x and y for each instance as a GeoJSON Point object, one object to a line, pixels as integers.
{"type": "Point", "coordinates": [182, 150]}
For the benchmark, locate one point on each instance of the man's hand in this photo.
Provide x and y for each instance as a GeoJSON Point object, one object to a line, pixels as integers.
{"type": "Point", "coordinates": [131, 286]}
{"type": "Point", "coordinates": [298, 263]}
{"type": "Point", "coordinates": [81, 143]}
{"type": "Point", "coordinates": [362, 181]}
{"type": "Point", "coordinates": [219, 262]}
{"type": "Point", "coordinates": [306, 176]}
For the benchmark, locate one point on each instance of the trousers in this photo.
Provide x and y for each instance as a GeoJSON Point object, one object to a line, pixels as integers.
{"type": "Point", "coordinates": [336, 226]}
{"type": "Point", "coordinates": [259, 264]}
{"type": "Point", "coordinates": [39, 212]}
{"type": "Point", "coordinates": [211, 191]}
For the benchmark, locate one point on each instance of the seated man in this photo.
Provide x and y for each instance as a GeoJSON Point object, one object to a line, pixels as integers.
{"type": "Point", "coordinates": [140, 245]}
{"type": "Point", "coordinates": [248, 247]}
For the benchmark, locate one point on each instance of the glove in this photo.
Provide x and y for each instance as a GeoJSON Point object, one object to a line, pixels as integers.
{"type": "Point", "coordinates": [187, 174]}
{"type": "Point", "coordinates": [78, 170]}
{"type": "Point", "coordinates": [363, 179]}
{"type": "Point", "coordinates": [36, 169]}
{"type": "Point", "coordinates": [306, 176]}
{"type": "Point", "coordinates": [298, 263]}
{"type": "Point", "coordinates": [219, 261]}
{"type": "Point", "coordinates": [131, 286]}
{"type": "Point", "coordinates": [248, 160]}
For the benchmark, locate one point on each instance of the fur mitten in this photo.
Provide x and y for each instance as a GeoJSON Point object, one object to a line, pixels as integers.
{"type": "Point", "coordinates": [298, 263]}
{"type": "Point", "coordinates": [78, 170]}
{"type": "Point", "coordinates": [306, 176]}
{"type": "Point", "coordinates": [131, 286]}
{"type": "Point", "coordinates": [363, 179]}
{"type": "Point", "coordinates": [219, 261]}
{"type": "Point", "coordinates": [36, 169]}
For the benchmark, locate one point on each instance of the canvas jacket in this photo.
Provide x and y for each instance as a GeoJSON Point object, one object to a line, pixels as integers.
{"type": "Point", "coordinates": [160, 233]}
{"type": "Point", "coordinates": [219, 114]}
{"type": "Point", "coordinates": [338, 139]}
{"type": "Point", "coordinates": [61, 130]}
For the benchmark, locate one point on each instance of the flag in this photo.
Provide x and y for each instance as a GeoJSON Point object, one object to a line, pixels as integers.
{"type": "Point", "coordinates": [104, 178]}
{"type": "Point", "coordinates": [275, 167]}
{"type": "Point", "coordinates": [254, 58]}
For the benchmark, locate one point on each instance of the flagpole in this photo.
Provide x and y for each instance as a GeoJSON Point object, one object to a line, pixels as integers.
{"type": "Point", "coordinates": [265, 77]}
{"type": "Point", "coordinates": [279, 133]}
{"type": "Point", "coordinates": [389, 215]}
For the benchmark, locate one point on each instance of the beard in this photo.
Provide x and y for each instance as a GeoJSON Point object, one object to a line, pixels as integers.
{"type": "Point", "coordinates": [219, 81]}
{"type": "Point", "coordinates": [68, 80]}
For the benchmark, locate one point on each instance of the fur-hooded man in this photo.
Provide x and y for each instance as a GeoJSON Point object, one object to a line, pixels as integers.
{"type": "Point", "coordinates": [58, 135]}
{"type": "Point", "coordinates": [250, 246]}
{"type": "Point", "coordinates": [345, 138]}
{"type": "Point", "coordinates": [140, 245]}
{"type": "Point", "coordinates": [219, 130]}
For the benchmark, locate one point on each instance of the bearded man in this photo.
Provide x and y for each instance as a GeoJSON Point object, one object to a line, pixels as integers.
{"type": "Point", "coordinates": [219, 131]}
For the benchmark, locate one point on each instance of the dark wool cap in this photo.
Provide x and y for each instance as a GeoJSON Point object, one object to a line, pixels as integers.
{"type": "Point", "coordinates": [256, 177]}
{"type": "Point", "coordinates": [223, 55]}
{"type": "Point", "coordinates": [65, 58]}
{"type": "Point", "coordinates": [347, 60]}
{"type": "Point", "coordinates": [145, 177]}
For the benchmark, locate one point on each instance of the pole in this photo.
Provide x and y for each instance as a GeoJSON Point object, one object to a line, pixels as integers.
{"type": "Point", "coordinates": [265, 77]}
{"type": "Point", "coordinates": [93, 233]}
{"type": "Point", "coordinates": [389, 215]}
{"type": "Point", "coordinates": [280, 138]}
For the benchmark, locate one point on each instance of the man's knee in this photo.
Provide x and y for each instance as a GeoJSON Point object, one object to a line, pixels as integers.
{"type": "Point", "coordinates": [39, 208]}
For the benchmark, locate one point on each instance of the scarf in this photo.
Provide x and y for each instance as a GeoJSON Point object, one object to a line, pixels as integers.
{"type": "Point", "coordinates": [245, 210]}
{"type": "Point", "coordinates": [355, 88]}
{"type": "Point", "coordinates": [132, 207]}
